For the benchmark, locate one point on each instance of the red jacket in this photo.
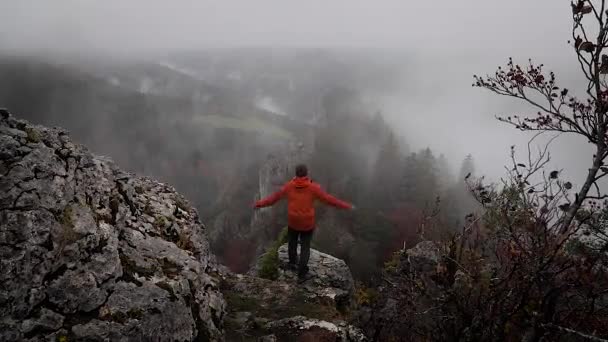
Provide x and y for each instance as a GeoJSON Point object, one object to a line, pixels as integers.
{"type": "Point", "coordinates": [301, 193]}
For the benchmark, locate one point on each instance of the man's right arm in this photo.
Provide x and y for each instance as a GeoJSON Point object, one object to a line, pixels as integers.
{"type": "Point", "coordinates": [272, 199]}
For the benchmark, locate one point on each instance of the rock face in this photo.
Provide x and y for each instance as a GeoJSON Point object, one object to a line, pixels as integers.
{"type": "Point", "coordinates": [89, 252]}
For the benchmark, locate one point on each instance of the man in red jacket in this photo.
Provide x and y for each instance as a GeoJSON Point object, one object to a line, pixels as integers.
{"type": "Point", "coordinates": [301, 192]}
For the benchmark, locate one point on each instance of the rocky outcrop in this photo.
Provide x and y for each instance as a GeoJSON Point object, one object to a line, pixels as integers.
{"type": "Point", "coordinates": [284, 310]}
{"type": "Point", "coordinates": [330, 276]}
{"type": "Point", "coordinates": [89, 252]}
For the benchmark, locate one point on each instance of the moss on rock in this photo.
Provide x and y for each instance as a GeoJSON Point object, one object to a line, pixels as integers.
{"type": "Point", "coordinates": [33, 135]}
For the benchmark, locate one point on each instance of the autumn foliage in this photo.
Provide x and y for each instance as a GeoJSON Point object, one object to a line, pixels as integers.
{"type": "Point", "coordinates": [532, 265]}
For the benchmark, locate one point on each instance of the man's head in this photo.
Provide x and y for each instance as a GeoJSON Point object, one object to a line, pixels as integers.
{"type": "Point", "coordinates": [301, 170]}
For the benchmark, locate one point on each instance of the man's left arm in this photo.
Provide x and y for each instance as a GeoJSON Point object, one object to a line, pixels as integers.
{"type": "Point", "coordinates": [331, 200]}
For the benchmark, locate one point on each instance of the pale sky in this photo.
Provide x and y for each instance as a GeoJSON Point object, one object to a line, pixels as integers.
{"type": "Point", "coordinates": [440, 25]}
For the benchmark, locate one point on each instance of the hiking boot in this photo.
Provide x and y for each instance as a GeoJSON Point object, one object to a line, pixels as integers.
{"type": "Point", "coordinates": [292, 266]}
{"type": "Point", "coordinates": [302, 277]}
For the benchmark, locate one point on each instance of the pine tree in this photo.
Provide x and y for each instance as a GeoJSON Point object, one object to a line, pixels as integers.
{"type": "Point", "coordinates": [409, 181]}
{"type": "Point", "coordinates": [427, 178]}
{"type": "Point", "coordinates": [444, 174]}
{"type": "Point", "coordinates": [459, 201]}
{"type": "Point", "coordinates": [467, 168]}
{"type": "Point", "coordinates": [387, 173]}
{"type": "Point", "coordinates": [419, 182]}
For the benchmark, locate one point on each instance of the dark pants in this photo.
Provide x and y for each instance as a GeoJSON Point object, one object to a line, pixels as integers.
{"type": "Point", "coordinates": [305, 238]}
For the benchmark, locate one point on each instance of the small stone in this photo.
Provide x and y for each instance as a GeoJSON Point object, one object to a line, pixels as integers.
{"type": "Point", "coordinates": [267, 338]}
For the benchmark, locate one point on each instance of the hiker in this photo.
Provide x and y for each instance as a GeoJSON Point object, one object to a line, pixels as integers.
{"type": "Point", "coordinates": [301, 192]}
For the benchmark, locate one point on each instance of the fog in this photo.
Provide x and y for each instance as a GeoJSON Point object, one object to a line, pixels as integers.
{"type": "Point", "coordinates": [438, 27]}
{"type": "Point", "coordinates": [446, 42]}
{"type": "Point", "coordinates": [222, 99]}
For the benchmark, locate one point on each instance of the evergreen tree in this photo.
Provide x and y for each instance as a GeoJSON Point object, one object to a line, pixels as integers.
{"type": "Point", "coordinates": [444, 174]}
{"type": "Point", "coordinates": [459, 201]}
{"type": "Point", "coordinates": [467, 168]}
{"type": "Point", "coordinates": [427, 175]}
{"type": "Point", "coordinates": [409, 181]}
{"type": "Point", "coordinates": [419, 183]}
{"type": "Point", "coordinates": [387, 174]}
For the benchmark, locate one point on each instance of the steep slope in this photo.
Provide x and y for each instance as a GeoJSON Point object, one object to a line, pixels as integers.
{"type": "Point", "coordinates": [89, 252]}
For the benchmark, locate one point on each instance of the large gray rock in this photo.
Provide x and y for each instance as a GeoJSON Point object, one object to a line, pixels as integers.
{"type": "Point", "coordinates": [330, 277]}
{"type": "Point", "coordinates": [90, 252]}
{"type": "Point", "coordinates": [318, 307]}
{"type": "Point", "coordinates": [424, 257]}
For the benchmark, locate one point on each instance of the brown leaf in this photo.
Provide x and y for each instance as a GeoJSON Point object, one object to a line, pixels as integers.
{"type": "Point", "coordinates": [581, 8]}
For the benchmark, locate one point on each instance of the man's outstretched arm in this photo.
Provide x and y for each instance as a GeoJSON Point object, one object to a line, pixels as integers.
{"type": "Point", "coordinates": [331, 200]}
{"type": "Point", "coordinates": [272, 199]}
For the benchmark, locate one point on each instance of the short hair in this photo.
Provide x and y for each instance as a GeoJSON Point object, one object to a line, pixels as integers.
{"type": "Point", "coordinates": [301, 170]}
